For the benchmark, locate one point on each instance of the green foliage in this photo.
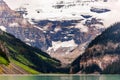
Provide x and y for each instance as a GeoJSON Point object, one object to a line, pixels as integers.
{"type": "Point", "coordinates": [3, 61]}
{"type": "Point", "coordinates": [109, 35]}
{"type": "Point", "coordinates": [49, 60]}
{"type": "Point", "coordinates": [92, 68]}
{"type": "Point", "coordinates": [113, 68]}
{"type": "Point", "coordinates": [25, 67]}
{"type": "Point", "coordinates": [104, 44]}
{"type": "Point", "coordinates": [3, 57]}
{"type": "Point", "coordinates": [25, 56]}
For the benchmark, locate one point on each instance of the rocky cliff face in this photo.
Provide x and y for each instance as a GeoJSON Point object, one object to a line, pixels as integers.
{"type": "Point", "coordinates": [102, 54]}
{"type": "Point", "coordinates": [63, 28]}
{"type": "Point", "coordinates": [66, 39]}
{"type": "Point", "coordinates": [62, 37]}
{"type": "Point", "coordinates": [14, 23]}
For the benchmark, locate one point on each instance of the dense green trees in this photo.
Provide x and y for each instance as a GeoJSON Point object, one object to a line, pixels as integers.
{"type": "Point", "coordinates": [106, 44]}
{"type": "Point", "coordinates": [113, 68]}
{"type": "Point", "coordinates": [13, 50]}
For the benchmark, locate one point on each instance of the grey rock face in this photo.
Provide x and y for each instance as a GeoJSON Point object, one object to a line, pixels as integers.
{"type": "Point", "coordinates": [20, 27]}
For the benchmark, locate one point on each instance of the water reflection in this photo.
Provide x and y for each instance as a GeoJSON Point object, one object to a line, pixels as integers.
{"type": "Point", "coordinates": [60, 77]}
{"type": "Point", "coordinates": [109, 77]}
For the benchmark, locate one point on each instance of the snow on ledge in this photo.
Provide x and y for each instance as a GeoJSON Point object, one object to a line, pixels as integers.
{"type": "Point", "coordinates": [59, 44]}
{"type": "Point", "coordinates": [3, 28]}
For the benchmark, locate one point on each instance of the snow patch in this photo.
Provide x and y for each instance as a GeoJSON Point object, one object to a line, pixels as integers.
{"type": "Point", "coordinates": [48, 12]}
{"type": "Point", "coordinates": [3, 28]}
{"type": "Point", "coordinates": [28, 44]}
{"type": "Point", "coordinates": [29, 40]}
{"type": "Point", "coordinates": [59, 44]}
{"type": "Point", "coordinates": [13, 25]}
{"type": "Point", "coordinates": [82, 27]}
{"type": "Point", "coordinates": [111, 17]}
{"type": "Point", "coordinates": [57, 29]}
{"type": "Point", "coordinates": [73, 12]}
{"type": "Point", "coordinates": [38, 28]}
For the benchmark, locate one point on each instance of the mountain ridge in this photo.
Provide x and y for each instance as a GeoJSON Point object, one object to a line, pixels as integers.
{"type": "Point", "coordinates": [102, 54]}
{"type": "Point", "coordinates": [23, 58]}
{"type": "Point", "coordinates": [46, 34]}
{"type": "Point", "coordinates": [78, 24]}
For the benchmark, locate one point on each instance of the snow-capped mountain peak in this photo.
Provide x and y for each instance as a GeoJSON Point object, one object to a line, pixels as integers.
{"type": "Point", "coordinates": [56, 23]}
{"type": "Point", "coordinates": [63, 9]}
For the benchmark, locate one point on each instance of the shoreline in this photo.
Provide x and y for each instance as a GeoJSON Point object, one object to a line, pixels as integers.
{"type": "Point", "coordinates": [55, 75]}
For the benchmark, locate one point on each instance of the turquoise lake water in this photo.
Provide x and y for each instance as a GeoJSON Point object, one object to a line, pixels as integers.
{"type": "Point", "coordinates": [60, 77]}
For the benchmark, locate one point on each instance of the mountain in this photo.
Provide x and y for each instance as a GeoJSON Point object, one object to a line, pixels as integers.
{"type": "Point", "coordinates": [62, 28]}
{"type": "Point", "coordinates": [14, 23]}
{"type": "Point", "coordinates": [65, 39]}
{"type": "Point", "coordinates": [102, 54]}
{"type": "Point", "coordinates": [57, 9]}
{"type": "Point", "coordinates": [18, 58]}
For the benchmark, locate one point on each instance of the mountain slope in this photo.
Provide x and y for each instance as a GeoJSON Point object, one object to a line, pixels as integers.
{"type": "Point", "coordinates": [17, 57]}
{"type": "Point", "coordinates": [102, 54]}
{"type": "Point", "coordinates": [57, 23]}
{"type": "Point", "coordinates": [13, 22]}
{"type": "Point", "coordinates": [46, 34]}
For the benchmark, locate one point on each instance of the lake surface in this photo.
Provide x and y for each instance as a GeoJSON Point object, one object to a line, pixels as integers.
{"type": "Point", "coordinates": [60, 77]}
